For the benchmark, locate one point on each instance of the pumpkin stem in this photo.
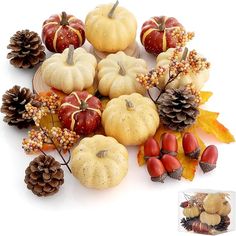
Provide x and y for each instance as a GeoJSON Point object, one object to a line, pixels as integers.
{"type": "Point", "coordinates": [111, 12]}
{"type": "Point", "coordinates": [162, 24]}
{"type": "Point", "coordinates": [122, 69]}
{"type": "Point", "coordinates": [83, 105]}
{"type": "Point", "coordinates": [64, 20]}
{"type": "Point", "coordinates": [185, 53]}
{"type": "Point", "coordinates": [129, 105]}
{"type": "Point", "coordinates": [70, 55]}
{"type": "Point", "coordinates": [102, 153]}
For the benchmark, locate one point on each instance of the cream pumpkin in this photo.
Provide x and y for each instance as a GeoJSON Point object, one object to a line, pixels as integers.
{"type": "Point", "coordinates": [99, 162]}
{"type": "Point", "coordinates": [197, 80]}
{"type": "Point", "coordinates": [225, 209]}
{"type": "Point", "coordinates": [117, 75]}
{"type": "Point", "coordinates": [213, 202]}
{"type": "Point", "coordinates": [210, 219]}
{"type": "Point", "coordinates": [130, 119]}
{"type": "Point", "coordinates": [191, 212]}
{"type": "Point", "coordinates": [110, 28]}
{"type": "Point", "coordinates": [69, 71]}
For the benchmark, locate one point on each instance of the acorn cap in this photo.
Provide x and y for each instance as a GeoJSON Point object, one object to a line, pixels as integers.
{"type": "Point", "coordinates": [147, 157]}
{"type": "Point", "coordinates": [160, 178]}
{"type": "Point", "coordinates": [176, 174]}
{"type": "Point", "coordinates": [194, 155]}
{"type": "Point", "coordinates": [207, 167]}
{"type": "Point", "coordinates": [172, 153]}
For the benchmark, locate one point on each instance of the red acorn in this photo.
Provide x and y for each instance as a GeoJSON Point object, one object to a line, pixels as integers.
{"type": "Point", "coordinates": [156, 170]}
{"type": "Point", "coordinates": [172, 166]}
{"type": "Point", "coordinates": [190, 146]}
{"type": "Point", "coordinates": [151, 148]}
{"type": "Point", "coordinates": [209, 158]}
{"type": "Point", "coordinates": [169, 144]}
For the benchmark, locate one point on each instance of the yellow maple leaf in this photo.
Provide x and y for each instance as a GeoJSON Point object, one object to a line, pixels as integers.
{"type": "Point", "coordinates": [205, 95]}
{"type": "Point", "coordinates": [207, 121]}
{"type": "Point", "coordinates": [140, 156]}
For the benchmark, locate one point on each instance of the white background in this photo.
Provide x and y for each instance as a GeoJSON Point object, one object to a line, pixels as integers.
{"type": "Point", "coordinates": [137, 206]}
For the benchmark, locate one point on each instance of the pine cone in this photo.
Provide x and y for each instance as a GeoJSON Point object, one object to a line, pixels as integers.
{"type": "Point", "coordinates": [44, 176]}
{"type": "Point", "coordinates": [13, 106]}
{"type": "Point", "coordinates": [27, 49]}
{"type": "Point", "coordinates": [224, 224]}
{"type": "Point", "coordinates": [178, 108]}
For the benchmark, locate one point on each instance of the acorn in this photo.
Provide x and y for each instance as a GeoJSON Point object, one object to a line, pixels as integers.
{"type": "Point", "coordinates": [209, 158]}
{"type": "Point", "coordinates": [191, 146]}
{"type": "Point", "coordinates": [172, 166]}
{"type": "Point", "coordinates": [169, 144]}
{"type": "Point", "coordinates": [151, 148]}
{"type": "Point", "coordinates": [156, 170]}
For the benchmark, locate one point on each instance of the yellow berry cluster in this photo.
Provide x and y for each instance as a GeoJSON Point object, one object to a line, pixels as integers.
{"type": "Point", "coordinates": [51, 102]}
{"type": "Point", "coordinates": [35, 113]}
{"type": "Point", "coordinates": [64, 138]}
{"type": "Point", "coordinates": [151, 79]}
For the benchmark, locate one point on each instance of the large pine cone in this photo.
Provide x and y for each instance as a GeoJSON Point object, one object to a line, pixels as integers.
{"type": "Point", "coordinates": [178, 108]}
{"type": "Point", "coordinates": [13, 106]}
{"type": "Point", "coordinates": [26, 49]}
{"type": "Point", "coordinates": [224, 224]}
{"type": "Point", "coordinates": [44, 176]}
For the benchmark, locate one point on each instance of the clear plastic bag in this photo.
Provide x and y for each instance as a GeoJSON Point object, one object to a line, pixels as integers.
{"type": "Point", "coordinates": [206, 211]}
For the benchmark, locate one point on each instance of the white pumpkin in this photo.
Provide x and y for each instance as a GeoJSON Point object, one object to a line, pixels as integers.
{"type": "Point", "coordinates": [69, 71]}
{"type": "Point", "coordinates": [110, 28]}
{"type": "Point", "coordinates": [130, 119]}
{"type": "Point", "coordinates": [210, 219]}
{"type": "Point", "coordinates": [191, 212]}
{"type": "Point", "coordinates": [117, 75]}
{"type": "Point", "coordinates": [197, 80]}
{"type": "Point", "coordinates": [99, 162]}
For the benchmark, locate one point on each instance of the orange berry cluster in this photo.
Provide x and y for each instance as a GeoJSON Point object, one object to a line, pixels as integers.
{"type": "Point", "coordinates": [51, 102]}
{"type": "Point", "coordinates": [196, 62]}
{"type": "Point", "coordinates": [64, 138]}
{"type": "Point", "coordinates": [182, 37]}
{"type": "Point", "coordinates": [151, 79]}
{"type": "Point", "coordinates": [193, 62]}
{"type": "Point", "coordinates": [34, 142]}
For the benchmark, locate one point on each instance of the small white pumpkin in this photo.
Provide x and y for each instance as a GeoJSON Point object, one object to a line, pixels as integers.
{"type": "Point", "coordinates": [213, 202]}
{"type": "Point", "coordinates": [196, 80]}
{"type": "Point", "coordinates": [117, 75]}
{"type": "Point", "coordinates": [225, 209]}
{"type": "Point", "coordinates": [110, 28]}
{"type": "Point", "coordinates": [210, 219]}
{"type": "Point", "coordinates": [69, 71]}
{"type": "Point", "coordinates": [99, 162]}
{"type": "Point", "coordinates": [191, 212]}
{"type": "Point", "coordinates": [130, 119]}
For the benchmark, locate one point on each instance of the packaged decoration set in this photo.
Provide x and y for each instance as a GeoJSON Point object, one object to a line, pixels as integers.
{"type": "Point", "coordinates": [89, 105]}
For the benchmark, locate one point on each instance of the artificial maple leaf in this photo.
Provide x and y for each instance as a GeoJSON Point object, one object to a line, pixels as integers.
{"type": "Point", "coordinates": [140, 156]}
{"type": "Point", "coordinates": [207, 121]}
{"type": "Point", "coordinates": [49, 121]}
{"type": "Point", "coordinates": [205, 95]}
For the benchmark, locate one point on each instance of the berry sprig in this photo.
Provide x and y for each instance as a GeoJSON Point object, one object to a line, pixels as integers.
{"type": "Point", "coordinates": [181, 63]}
{"type": "Point", "coordinates": [182, 36]}
{"type": "Point", "coordinates": [64, 138]}
{"type": "Point", "coordinates": [61, 139]}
